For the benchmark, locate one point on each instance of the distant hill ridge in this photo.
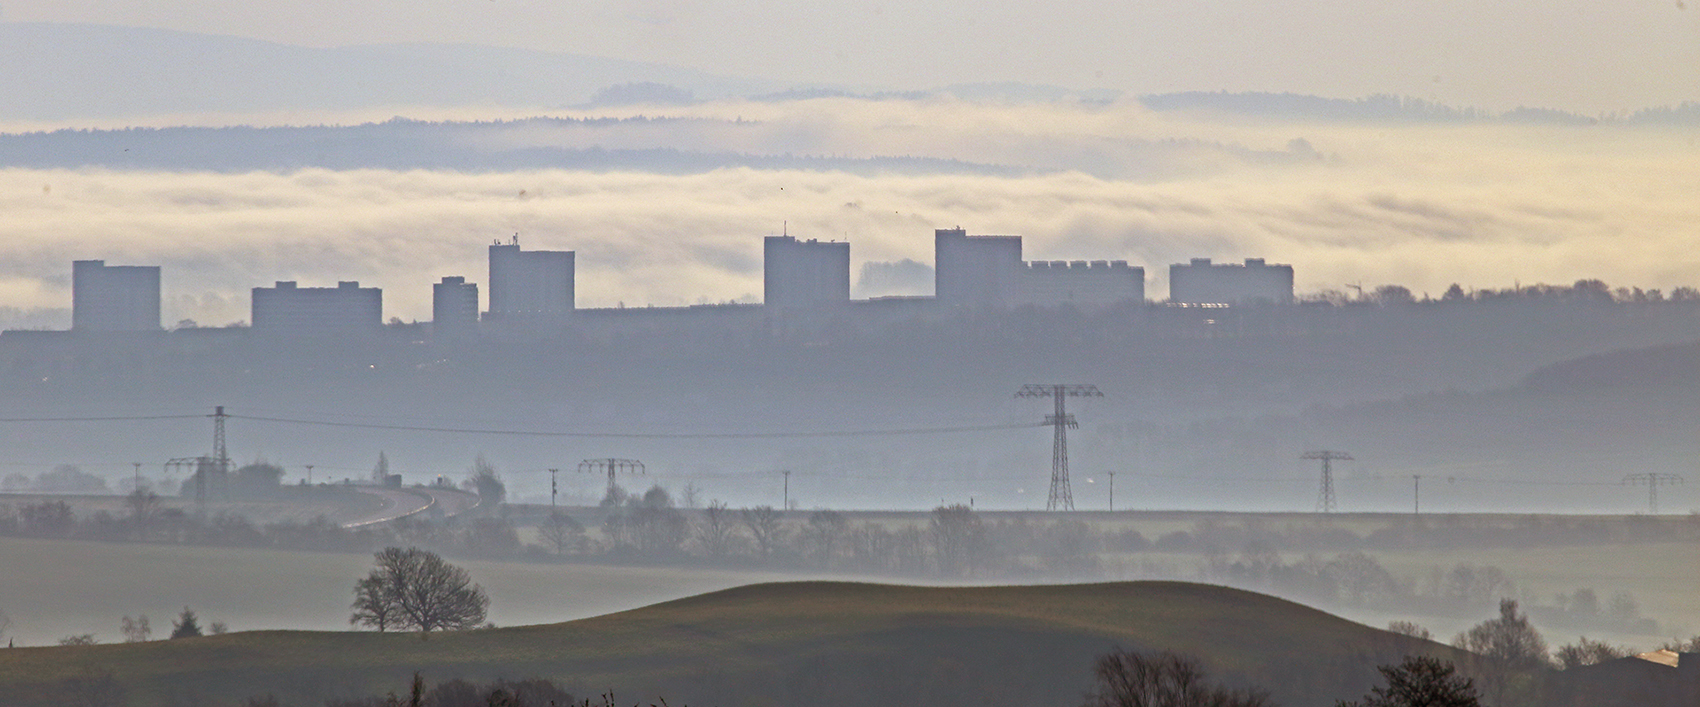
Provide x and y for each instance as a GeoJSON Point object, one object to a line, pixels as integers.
{"type": "Point", "coordinates": [67, 72]}
{"type": "Point", "coordinates": [817, 643]}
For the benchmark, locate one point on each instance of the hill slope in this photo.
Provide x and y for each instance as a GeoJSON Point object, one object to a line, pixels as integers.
{"type": "Point", "coordinates": [814, 643]}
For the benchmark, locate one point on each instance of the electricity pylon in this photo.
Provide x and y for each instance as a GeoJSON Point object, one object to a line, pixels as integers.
{"type": "Point", "coordinates": [612, 466]}
{"type": "Point", "coordinates": [1061, 497]}
{"type": "Point", "coordinates": [1652, 480]}
{"type": "Point", "coordinates": [1325, 495]}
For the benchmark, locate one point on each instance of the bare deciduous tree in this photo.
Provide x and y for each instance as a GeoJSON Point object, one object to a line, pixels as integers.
{"type": "Point", "coordinates": [561, 532]}
{"type": "Point", "coordinates": [1420, 681]}
{"type": "Point", "coordinates": [1589, 652]}
{"type": "Point", "coordinates": [1410, 628]}
{"type": "Point", "coordinates": [135, 630]}
{"type": "Point", "coordinates": [1510, 649]}
{"type": "Point", "coordinates": [1128, 679]}
{"type": "Point", "coordinates": [959, 540]}
{"type": "Point", "coordinates": [714, 531]}
{"type": "Point", "coordinates": [416, 589]}
{"type": "Point", "coordinates": [765, 527]}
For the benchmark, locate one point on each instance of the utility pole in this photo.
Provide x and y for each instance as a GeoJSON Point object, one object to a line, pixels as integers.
{"type": "Point", "coordinates": [137, 482]}
{"type": "Point", "coordinates": [612, 466]}
{"type": "Point", "coordinates": [1112, 476]}
{"type": "Point", "coordinates": [1325, 495]}
{"type": "Point", "coordinates": [787, 506]}
{"type": "Point", "coordinates": [1061, 497]}
{"type": "Point", "coordinates": [1652, 480]}
{"type": "Point", "coordinates": [552, 489]}
{"type": "Point", "coordinates": [309, 474]}
{"type": "Point", "coordinates": [1416, 494]}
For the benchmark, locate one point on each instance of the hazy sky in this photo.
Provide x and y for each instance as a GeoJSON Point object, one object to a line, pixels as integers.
{"type": "Point", "coordinates": [1581, 55]}
{"type": "Point", "coordinates": [1424, 206]}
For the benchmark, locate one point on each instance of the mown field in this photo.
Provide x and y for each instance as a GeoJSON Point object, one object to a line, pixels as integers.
{"type": "Point", "coordinates": [813, 643]}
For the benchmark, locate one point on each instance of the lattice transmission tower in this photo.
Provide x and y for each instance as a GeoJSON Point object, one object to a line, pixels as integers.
{"type": "Point", "coordinates": [1061, 498]}
{"type": "Point", "coordinates": [1325, 494]}
{"type": "Point", "coordinates": [1652, 481]}
{"type": "Point", "coordinates": [612, 466]}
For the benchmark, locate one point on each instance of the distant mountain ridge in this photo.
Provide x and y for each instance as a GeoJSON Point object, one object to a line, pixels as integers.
{"type": "Point", "coordinates": [70, 71]}
{"type": "Point", "coordinates": [411, 144]}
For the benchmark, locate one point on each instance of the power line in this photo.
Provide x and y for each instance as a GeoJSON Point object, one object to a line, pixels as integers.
{"type": "Point", "coordinates": [1652, 481]}
{"type": "Point", "coordinates": [1061, 497]}
{"type": "Point", "coordinates": [1325, 495]}
{"type": "Point", "coordinates": [637, 435]}
{"type": "Point", "coordinates": [112, 418]}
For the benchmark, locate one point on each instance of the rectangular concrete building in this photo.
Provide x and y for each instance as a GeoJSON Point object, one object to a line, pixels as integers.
{"type": "Point", "coordinates": [1098, 283]}
{"type": "Point", "coordinates": [530, 285]}
{"type": "Point", "coordinates": [114, 297]}
{"type": "Point", "coordinates": [1203, 282]}
{"type": "Point", "coordinates": [346, 309]}
{"type": "Point", "coordinates": [976, 271]}
{"type": "Point", "coordinates": [454, 306]}
{"type": "Point", "coordinates": [804, 274]}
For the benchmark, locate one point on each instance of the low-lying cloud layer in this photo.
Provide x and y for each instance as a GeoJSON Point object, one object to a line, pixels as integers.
{"type": "Point", "coordinates": [1422, 206]}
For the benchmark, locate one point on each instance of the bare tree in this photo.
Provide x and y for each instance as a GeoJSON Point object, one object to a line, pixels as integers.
{"type": "Point", "coordinates": [1410, 628]}
{"type": "Point", "coordinates": [765, 528]}
{"type": "Point", "coordinates": [822, 536]}
{"type": "Point", "coordinates": [373, 605]}
{"type": "Point", "coordinates": [1509, 649]}
{"type": "Point", "coordinates": [144, 504]}
{"type": "Point", "coordinates": [1420, 681]}
{"type": "Point", "coordinates": [959, 540]}
{"type": "Point", "coordinates": [714, 532]}
{"type": "Point", "coordinates": [1509, 641]}
{"type": "Point", "coordinates": [135, 630]}
{"type": "Point", "coordinates": [1128, 679]}
{"type": "Point", "coordinates": [561, 531]}
{"type": "Point", "coordinates": [416, 589]}
{"type": "Point", "coordinates": [1589, 652]}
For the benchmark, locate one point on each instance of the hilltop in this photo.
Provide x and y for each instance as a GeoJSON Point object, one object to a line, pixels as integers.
{"type": "Point", "coordinates": [820, 643]}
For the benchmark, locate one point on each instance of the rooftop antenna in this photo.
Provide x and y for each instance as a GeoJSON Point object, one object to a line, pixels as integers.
{"type": "Point", "coordinates": [1061, 497]}
{"type": "Point", "coordinates": [784, 228]}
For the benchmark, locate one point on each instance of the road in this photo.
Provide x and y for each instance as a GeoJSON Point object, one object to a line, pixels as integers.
{"type": "Point", "coordinates": [397, 503]}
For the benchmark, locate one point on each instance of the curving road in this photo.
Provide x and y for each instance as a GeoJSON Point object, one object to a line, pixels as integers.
{"type": "Point", "coordinates": [403, 502]}
{"type": "Point", "coordinates": [396, 503]}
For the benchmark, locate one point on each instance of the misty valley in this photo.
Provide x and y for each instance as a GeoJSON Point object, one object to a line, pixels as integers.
{"type": "Point", "coordinates": [1091, 354]}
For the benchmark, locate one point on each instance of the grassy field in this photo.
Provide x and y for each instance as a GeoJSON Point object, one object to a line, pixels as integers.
{"type": "Point", "coordinates": [813, 643]}
{"type": "Point", "coordinates": [55, 588]}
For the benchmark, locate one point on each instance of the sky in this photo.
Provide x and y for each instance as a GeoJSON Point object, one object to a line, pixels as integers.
{"type": "Point", "coordinates": [1579, 55]}
{"type": "Point", "coordinates": [1423, 206]}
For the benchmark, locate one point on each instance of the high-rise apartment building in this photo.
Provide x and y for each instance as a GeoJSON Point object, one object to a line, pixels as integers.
{"type": "Point", "coordinates": [1204, 282]}
{"type": "Point", "coordinates": [454, 306]}
{"type": "Point", "coordinates": [289, 310]}
{"type": "Point", "coordinates": [530, 285]}
{"type": "Point", "coordinates": [114, 297]}
{"type": "Point", "coordinates": [975, 271]}
{"type": "Point", "coordinates": [804, 274]}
